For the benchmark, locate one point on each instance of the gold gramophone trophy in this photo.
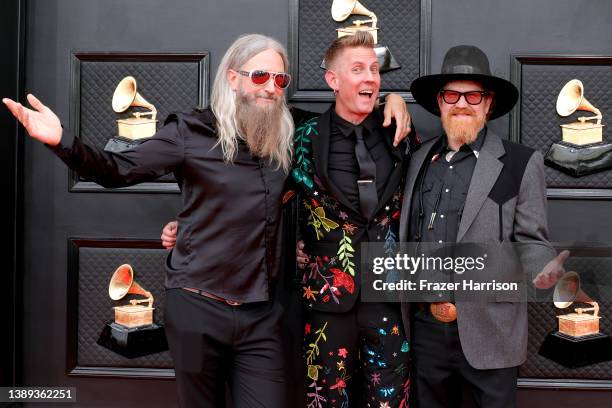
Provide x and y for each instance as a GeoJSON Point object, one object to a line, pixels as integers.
{"type": "Point", "coordinates": [342, 9]}
{"type": "Point", "coordinates": [133, 333]}
{"type": "Point", "coordinates": [580, 323]}
{"type": "Point", "coordinates": [584, 131]}
{"type": "Point", "coordinates": [139, 126]}
{"type": "Point", "coordinates": [582, 150]}
{"type": "Point", "coordinates": [578, 341]}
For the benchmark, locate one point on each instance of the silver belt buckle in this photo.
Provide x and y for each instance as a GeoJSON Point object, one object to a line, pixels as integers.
{"type": "Point", "coordinates": [365, 181]}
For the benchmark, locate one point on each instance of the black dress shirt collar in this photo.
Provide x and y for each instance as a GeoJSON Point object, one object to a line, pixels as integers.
{"type": "Point", "coordinates": [370, 122]}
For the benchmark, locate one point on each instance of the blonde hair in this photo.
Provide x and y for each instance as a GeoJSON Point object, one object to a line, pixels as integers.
{"type": "Point", "coordinates": [359, 39]}
{"type": "Point", "coordinates": [223, 99]}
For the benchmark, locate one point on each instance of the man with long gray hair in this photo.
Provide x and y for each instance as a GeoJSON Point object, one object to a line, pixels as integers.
{"type": "Point", "coordinates": [231, 162]}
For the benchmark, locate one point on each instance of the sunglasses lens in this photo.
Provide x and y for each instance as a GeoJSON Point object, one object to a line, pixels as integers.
{"type": "Point", "coordinates": [473, 98]}
{"type": "Point", "coordinates": [451, 96]}
{"type": "Point", "coordinates": [260, 77]}
{"type": "Point", "coordinates": [282, 80]}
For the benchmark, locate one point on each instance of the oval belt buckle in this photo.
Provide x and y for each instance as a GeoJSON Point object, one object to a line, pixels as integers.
{"type": "Point", "coordinates": [232, 302]}
{"type": "Point", "coordinates": [445, 312]}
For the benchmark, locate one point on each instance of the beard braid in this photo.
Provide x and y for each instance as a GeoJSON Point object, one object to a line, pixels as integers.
{"type": "Point", "coordinates": [260, 126]}
{"type": "Point", "coordinates": [462, 131]}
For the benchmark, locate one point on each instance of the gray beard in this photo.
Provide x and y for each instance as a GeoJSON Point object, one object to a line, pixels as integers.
{"type": "Point", "coordinates": [259, 126]}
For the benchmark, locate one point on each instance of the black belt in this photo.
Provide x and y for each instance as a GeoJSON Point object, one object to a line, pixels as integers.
{"type": "Point", "coordinates": [211, 296]}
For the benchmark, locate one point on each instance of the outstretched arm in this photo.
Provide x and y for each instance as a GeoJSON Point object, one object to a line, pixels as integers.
{"type": "Point", "coordinates": [147, 161]}
{"type": "Point", "coordinates": [531, 228]}
{"type": "Point", "coordinates": [395, 109]}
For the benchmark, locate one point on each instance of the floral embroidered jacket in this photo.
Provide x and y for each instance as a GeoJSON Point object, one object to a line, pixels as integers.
{"type": "Point", "coordinates": [330, 226]}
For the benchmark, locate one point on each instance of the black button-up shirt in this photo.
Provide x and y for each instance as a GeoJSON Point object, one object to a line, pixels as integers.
{"type": "Point", "coordinates": [442, 188]}
{"type": "Point", "coordinates": [343, 168]}
{"type": "Point", "coordinates": [228, 241]}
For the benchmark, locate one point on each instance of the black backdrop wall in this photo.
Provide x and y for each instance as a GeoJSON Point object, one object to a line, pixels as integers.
{"type": "Point", "coordinates": [11, 83]}
{"type": "Point", "coordinates": [52, 215]}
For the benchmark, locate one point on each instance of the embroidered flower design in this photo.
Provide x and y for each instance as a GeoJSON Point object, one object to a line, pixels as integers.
{"type": "Point", "coordinates": [375, 378]}
{"type": "Point", "coordinates": [339, 385]}
{"type": "Point", "coordinates": [342, 280]}
{"type": "Point", "coordinates": [349, 228]}
{"type": "Point", "coordinates": [309, 293]}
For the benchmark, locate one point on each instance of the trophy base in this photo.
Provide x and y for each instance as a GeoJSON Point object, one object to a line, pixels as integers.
{"type": "Point", "coordinates": [136, 128]}
{"type": "Point", "coordinates": [133, 342]}
{"type": "Point", "coordinates": [579, 160]}
{"type": "Point", "coordinates": [386, 60]}
{"type": "Point", "coordinates": [351, 30]}
{"type": "Point", "coordinates": [574, 352]}
{"type": "Point", "coordinates": [132, 316]}
{"type": "Point", "coordinates": [578, 324]}
{"type": "Point", "coordinates": [581, 134]}
{"type": "Point", "coordinates": [119, 144]}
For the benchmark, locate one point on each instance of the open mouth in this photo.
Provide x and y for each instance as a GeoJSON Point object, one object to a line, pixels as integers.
{"type": "Point", "coordinates": [366, 93]}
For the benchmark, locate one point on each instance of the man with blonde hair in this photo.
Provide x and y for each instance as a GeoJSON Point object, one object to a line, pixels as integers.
{"type": "Point", "coordinates": [349, 176]}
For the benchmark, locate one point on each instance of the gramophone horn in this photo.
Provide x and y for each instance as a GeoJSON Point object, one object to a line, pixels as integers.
{"type": "Point", "coordinates": [568, 291]}
{"type": "Point", "coordinates": [122, 283]}
{"type": "Point", "coordinates": [571, 98]}
{"type": "Point", "coordinates": [342, 9]}
{"type": "Point", "coordinates": [126, 95]}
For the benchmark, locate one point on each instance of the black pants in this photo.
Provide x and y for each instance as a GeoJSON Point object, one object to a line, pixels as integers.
{"type": "Point", "coordinates": [213, 343]}
{"type": "Point", "coordinates": [357, 359]}
{"type": "Point", "coordinates": [441, 371]}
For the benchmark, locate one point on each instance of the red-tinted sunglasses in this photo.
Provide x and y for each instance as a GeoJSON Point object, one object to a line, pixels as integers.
{"type": "Point", "coordinates": [472, 97]}
{"type": "Point", "coordinates": [261, 77]}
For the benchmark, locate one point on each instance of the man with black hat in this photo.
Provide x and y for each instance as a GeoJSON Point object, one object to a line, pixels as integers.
{"type": "Point", "coordinates": [470, 185]}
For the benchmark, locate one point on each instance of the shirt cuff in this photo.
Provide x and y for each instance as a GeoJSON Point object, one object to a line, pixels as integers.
{"type": "Point", "coordinates": [65, 144]}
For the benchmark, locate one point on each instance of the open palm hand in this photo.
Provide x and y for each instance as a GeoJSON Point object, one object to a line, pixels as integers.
{"type": "Point", "coordinates": [41, 123]}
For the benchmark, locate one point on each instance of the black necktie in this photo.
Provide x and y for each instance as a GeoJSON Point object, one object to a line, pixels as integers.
{"type": "Point", "coordinates": [368, 197]}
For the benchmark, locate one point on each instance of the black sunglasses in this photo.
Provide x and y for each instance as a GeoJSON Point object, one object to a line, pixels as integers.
{"type": "Point", "coordinates": [471, 97]}
{"type": "Point", "coordinates": [261, 77]}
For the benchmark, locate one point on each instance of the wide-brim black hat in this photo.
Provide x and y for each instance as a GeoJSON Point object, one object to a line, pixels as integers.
{"type": "Point", "coordinates": [465, 63]}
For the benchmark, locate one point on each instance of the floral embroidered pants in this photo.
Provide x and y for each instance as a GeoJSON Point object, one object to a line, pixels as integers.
{"type": "Point", "coordinates": [357, 359]}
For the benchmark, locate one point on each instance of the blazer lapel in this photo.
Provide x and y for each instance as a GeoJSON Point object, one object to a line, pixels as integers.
{"type": "Point", "coordinates": [484, 177]}
{"type": "Point", "coordinates": [417, 161]}
{"type": "Point", "coordinates": [320, 151]}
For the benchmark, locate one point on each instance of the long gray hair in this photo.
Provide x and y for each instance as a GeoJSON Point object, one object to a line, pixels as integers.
{"type": "Point", "coordinates": [223, 99]}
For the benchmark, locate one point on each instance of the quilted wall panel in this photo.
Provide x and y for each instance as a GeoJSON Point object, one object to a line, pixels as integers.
{"type": "Point", "coordinates": [596, 280]}
{"type": "Point", "coordinates": [170, 86]}
{"type": "Point", "coordinates": [399, 23]}
{"type": "Point", "coordinates": [169, 82]}
{"type": "Point", "coordinates": [95, 307]}
{"type": "Point", "coordinates": [540, 123]}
